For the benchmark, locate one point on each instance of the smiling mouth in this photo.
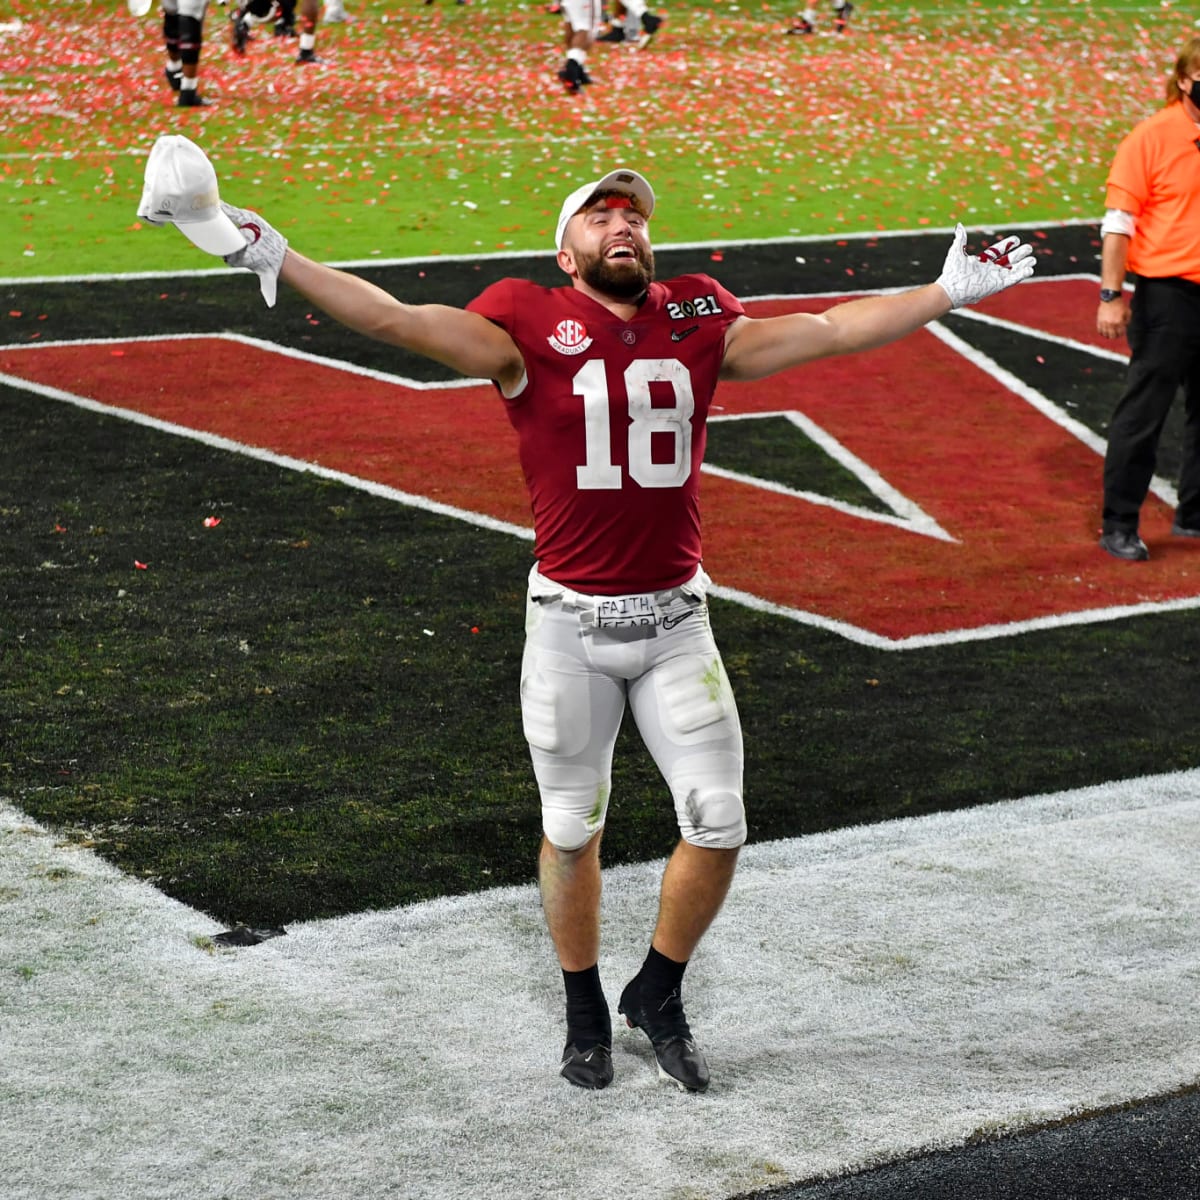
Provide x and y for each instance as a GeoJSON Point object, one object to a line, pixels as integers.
{"type": "Point", "coordinates": [621, 253]}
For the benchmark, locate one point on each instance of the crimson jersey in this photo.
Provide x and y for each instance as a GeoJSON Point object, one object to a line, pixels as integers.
{"type": "Point", "coordinates": [612, 424]}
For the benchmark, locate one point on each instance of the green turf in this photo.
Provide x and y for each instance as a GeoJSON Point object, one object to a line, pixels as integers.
{"type": "Point", "coordinates": [443, 130]}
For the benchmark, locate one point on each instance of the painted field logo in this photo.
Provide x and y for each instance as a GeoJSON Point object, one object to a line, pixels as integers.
{"type": "Point", "coordinates": [986, 492]}
{"type": "Point", "coordinates": [570, 337]}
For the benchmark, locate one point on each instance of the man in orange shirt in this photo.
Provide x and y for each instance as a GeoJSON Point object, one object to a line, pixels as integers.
{"type": "Point", "coordinates": [1152, 230]}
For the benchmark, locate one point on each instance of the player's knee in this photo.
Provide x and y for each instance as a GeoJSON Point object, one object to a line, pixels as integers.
{"type": "Point", "coordinates": [713, 818]}
{"type": "Point", "coordinates": [190, 38]}
{"type": "Point", "coordinates": [567, 831]}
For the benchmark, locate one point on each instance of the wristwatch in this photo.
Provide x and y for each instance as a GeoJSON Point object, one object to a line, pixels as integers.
{"type": "Point", "coordinates": [1107, 294]}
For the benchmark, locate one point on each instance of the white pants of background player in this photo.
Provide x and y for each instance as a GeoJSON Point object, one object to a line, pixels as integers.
{"type": "Point", "coordinates": [583, 16]}
{"type": "Point", "coordinates": [576, 679]}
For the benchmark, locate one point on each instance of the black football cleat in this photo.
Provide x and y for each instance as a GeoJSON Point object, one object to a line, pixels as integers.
{"type": "Point", "coordinates": [239, 33]}
{"type": "Point", "coordinates": [650, 26]}
{"type": "Point", "coordinates": [308, 56]}
{"type": "Point", "coordinates": [190, 98]}
{"type": "Point", "coordinates": [572, 75]}
{"type": "Point", "coordinates": [591, 1068]}
{"type": "Point", "coordinates": [679, 1058]}
{"type": "Point", "coordinates": [172, 78]}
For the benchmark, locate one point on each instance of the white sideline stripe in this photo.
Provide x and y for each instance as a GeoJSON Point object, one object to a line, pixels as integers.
{"type": "Point", "coordinates": [867, 994]}
{"type": "Point", "coordinates": [951, 637]}
{"type": "Point", "coordinates": [1030, 332]}
{"type": "Point", "coordinates": [1159, 486]}
{"type": "Point", "coordinates": [905, 513]}
{"type": "Point", "coordinates": [335, 364]}
{"type": "Point", "coordinates": [495, 255]}
{"type": "Point", "coordinates": [267, 456]}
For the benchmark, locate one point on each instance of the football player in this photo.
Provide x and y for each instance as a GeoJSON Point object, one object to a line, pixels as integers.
{"type": "Point", "coordinates": [250, 13]}
{"type": "Point", "coordinates": [183, 36]}
{"type": "Point", "coordinates": [608, 381]}
{"type": "Point", "coordinates": [633, 24]}
{"type": "Point", "coordinates": [582, 19]}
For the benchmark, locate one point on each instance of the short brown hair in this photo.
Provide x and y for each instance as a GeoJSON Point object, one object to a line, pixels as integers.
{"type": "Point", "coordinates": [1186, 64]}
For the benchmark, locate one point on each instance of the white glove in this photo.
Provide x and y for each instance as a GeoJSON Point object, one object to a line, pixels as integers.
{"type": "Point", "coordinates": [264, 251]}
{"type": "Point", "coordinates": [967, 278]}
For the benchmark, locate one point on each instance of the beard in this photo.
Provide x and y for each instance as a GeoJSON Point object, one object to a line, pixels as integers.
{"type": "Point", "coordinates": [622, 279]}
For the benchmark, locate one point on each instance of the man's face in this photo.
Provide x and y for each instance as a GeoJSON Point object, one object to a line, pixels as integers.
{"type": "Point", "coordinates": [610, 245]}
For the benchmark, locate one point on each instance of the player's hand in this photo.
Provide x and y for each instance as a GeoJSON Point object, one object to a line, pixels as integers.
{"type": "Point", "coordinates": [264, 251]}
{"type": "Point", "coordinates": [968, 278]}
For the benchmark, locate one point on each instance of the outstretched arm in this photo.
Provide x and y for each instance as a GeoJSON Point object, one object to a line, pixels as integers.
{"type": "Point", "coordinates": [462, 340]}
{"type": "Point", "coordinates": [756, 348]}
{"type": "Point", "coordinates": [465, 341]}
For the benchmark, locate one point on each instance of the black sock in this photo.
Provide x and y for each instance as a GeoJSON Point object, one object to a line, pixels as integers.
{"type": "Point", "coordinates": [660, 976]}
{"type": "Point", "coordinates": [588, 1022]}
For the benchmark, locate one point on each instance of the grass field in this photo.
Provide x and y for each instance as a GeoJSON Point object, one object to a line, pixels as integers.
{"type": "Point", "coordinates": [441, 129]}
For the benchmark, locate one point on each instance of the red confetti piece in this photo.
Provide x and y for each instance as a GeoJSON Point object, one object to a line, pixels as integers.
{"type": "Point", "coordinates": [60, 528]}
{"type": "Point", "coordinates": [717, 256]}
{"type": "Point", "coordinates": [141, 566]}
{"type": "Point", "coordinates": [14, 313]}
{"type": "Point", "coordinates": [211, 522]}
{"type": "Point", "coordinates": [119, 353]}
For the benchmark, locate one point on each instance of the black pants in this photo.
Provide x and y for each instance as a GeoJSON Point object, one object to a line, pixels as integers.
{"type": "Point", "coordinates": [1164, 340]}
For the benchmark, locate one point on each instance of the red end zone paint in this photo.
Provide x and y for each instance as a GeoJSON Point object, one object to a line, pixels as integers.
{"type": "Point", "coordinates": [1018, 493]}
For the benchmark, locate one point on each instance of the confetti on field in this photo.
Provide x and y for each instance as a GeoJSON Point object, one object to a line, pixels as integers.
{"type": "Point", "coordinates": [912, 117]}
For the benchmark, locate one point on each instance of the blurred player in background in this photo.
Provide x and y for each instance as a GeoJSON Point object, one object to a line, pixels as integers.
{"type": "Point", "coordinates": [251, 13]}
{"type": "Point", "coordinates": [632, 24]}
{"type": "Point", "coordinates": [806, 22]}
{"type": "Point", "coordinates": [183, 36]}
{"type": "Point", "coordinates": [582, 18]}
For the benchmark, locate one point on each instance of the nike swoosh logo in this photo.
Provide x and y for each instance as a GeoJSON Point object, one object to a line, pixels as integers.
{"type": "Point", "coordinates": [669, 622]}
{"type": "Point", "coordinates": [677, 335]}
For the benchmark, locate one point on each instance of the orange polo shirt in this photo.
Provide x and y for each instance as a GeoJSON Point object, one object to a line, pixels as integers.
{"type": "Point", "coordinates": [1156, 176]}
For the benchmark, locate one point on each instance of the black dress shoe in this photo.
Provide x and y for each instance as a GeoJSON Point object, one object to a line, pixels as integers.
{"type": "Point", "coordinates": [1178, 530]}
{"type": "Point", "coordinates": [1124, 543]}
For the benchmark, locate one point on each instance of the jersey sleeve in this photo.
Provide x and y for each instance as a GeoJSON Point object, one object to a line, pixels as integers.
{"type": "Point", "coordinates": [496, 303]}
{"type": "Point", "coordinates": [729, 302]}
